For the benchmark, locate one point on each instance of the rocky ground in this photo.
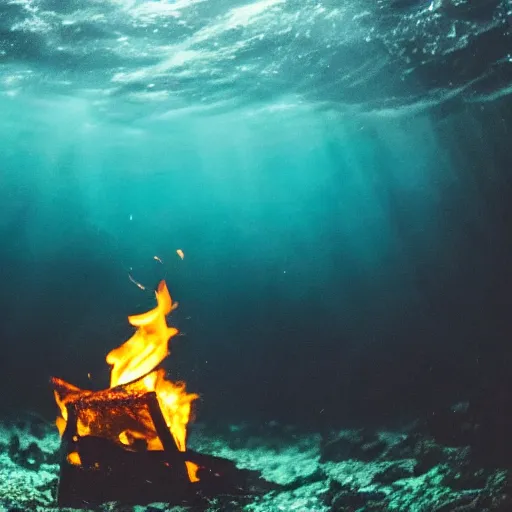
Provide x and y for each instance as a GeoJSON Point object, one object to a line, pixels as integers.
{"type": "Point", "coordinates": [347, 471]}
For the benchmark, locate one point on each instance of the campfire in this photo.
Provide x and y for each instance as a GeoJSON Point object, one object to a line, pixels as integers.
{"type": "Point", "coordinates": [128, 442]}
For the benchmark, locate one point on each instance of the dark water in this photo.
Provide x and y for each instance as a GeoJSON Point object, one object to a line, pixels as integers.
{"type": "Point", "coordinates": [338, 178]}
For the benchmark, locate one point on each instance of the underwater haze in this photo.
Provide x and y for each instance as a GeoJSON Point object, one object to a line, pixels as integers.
{"type": "Point", "coordinates": [337, 175]}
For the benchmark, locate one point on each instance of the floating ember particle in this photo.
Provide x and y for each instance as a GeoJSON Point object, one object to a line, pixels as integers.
{"type": "Point", "coordinates": [136, 283]}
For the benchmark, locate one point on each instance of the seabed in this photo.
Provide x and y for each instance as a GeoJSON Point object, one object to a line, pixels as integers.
{"type": "Point", "coordinates": [346, 471]}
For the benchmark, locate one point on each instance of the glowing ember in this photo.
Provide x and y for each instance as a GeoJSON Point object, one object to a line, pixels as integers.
{"type": "Point", "coordinates": [122, 412]}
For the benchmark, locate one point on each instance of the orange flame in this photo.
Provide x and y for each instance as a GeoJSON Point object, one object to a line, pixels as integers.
{"type": "Point", "coordinates": [133, 373]}
{"type": "Point", "coordinates": [147, 348]}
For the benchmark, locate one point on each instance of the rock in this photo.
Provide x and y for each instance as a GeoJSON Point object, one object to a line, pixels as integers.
{"type": "Point", "coordinates": [395, 472]}
{"type": "Point", "coordinates": [352, 445]}
{"type": "Point", "coordinates": [29, 458]}
{"type": "Point", "coordinates": [344, 498]}
{"type": "Point", "coordinates": [464, 480]}
{"type": "Point", "coordinates": [405, 448]}
{"type": "Point", "coordinates": [38, 428]}
{"type": "Point", "coordinates": [428, 454]}
{"type": "Point", "coordinates": [463, 503]}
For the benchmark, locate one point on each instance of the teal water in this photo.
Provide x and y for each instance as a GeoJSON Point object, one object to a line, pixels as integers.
{"type": "Point", "coordinates": [342, 208]}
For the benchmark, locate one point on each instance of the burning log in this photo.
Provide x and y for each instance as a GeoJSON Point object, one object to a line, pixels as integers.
{"type": "Point", "coordinates": [127, 443]}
